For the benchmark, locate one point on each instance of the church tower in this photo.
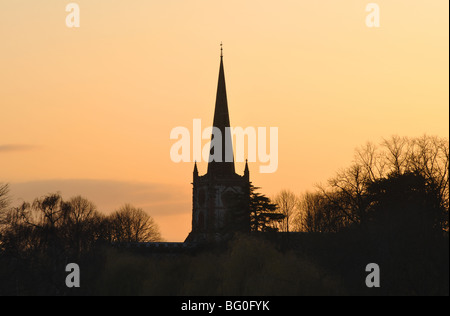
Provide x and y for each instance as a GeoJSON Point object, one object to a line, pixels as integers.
{"type": "Point", "coordinates": [220, 197]}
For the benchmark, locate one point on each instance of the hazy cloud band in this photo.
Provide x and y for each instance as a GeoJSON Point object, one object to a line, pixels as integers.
{"type": "Point", "coordinates": [109, 195]}
{"type": "Point", "coordinates": [16, 147]}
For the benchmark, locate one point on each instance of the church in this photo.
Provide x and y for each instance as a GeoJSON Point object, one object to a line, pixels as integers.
{"type": "Point", "coordinates": [220, 197]}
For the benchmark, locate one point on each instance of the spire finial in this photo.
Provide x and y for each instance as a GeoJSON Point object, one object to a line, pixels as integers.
{"type": "Point", "coordinates": [246, 171]}
{"type": "Point", "coordinates": [221, 49]}
{"type": "Point", "coordinates": [195, 169]}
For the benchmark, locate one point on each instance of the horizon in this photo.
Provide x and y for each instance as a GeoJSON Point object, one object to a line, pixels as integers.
{"type": "Point", "coordinates": [89, 110]}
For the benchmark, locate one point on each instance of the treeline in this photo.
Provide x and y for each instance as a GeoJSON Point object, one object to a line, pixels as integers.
{"type": "Point", "coordinates": [38, 239]}
{"type": "Point", "coordinates": [390, 207]}
{"type": "Point", "coordinates": [71, 227]}
{"type": "Point", "coordinates": [403, 181]}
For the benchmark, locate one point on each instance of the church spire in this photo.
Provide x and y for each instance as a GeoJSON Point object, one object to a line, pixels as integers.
{"type": "Point", "coordinates": [195, 169]}
{"type": "Point", "coordinates": [221, 121]}
{"type": "Point", "coordinates": [214, 218]}
{"type": "Point", "coordinates": [246, 171]}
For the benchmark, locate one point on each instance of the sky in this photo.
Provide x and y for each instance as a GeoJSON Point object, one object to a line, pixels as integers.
{"type": "Point", "coordinates": [89, 110]}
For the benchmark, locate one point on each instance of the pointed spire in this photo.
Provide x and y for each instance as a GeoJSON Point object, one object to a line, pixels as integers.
{"type": "Point", "coordinates": [246, 170]}
{"type": "Point", "coordinates": [221, 121]}
{"type": "Point", "coordinates": [195, 173]}
{"type": "Point", "coordinates": [195, 168]}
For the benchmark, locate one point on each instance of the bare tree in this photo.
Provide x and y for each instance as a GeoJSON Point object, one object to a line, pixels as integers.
{"type": "Point", "coordinates": [131, 224]}
{"type": "Point", "coordinates": [371, 161]}
{"type": "Point", "coordinates": [49, 223]}
{"type": "Point", "coordinates": [310, 207]}
{"type": "Point", "coordinates": [81, 223]}
{"type": "Point", "coordinates": [430, 158]}
{"type": "Point", "coordinates": [347, 193]}
{"type": "Point", "coordinates": [4, 198]}
{"type": "Point", "coordinates": [397, 152]}
{"type": "Point", "coordinates": [317, 214]}
{"type": "Point", "coordinates": [4, 203]}
{"type": "Point", "coordinates": [425, 156]}
{"type": "Point", "coordinates": [287, 204]}
{"type": "Point", "coordinates": [49, 209]}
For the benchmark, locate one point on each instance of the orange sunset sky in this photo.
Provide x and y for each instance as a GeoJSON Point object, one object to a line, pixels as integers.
{"type": "Point", "coordinates": [89, 110]}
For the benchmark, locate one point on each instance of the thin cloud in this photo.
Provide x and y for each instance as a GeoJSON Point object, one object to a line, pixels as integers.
{"type": "Point", "coordinates": [155, 198]}
{"type": "Point", "coordinates": [16, 147]}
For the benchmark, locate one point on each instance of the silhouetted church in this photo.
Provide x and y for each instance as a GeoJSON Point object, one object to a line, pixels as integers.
{"type": "Point", "coordinates": [214, 195]}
